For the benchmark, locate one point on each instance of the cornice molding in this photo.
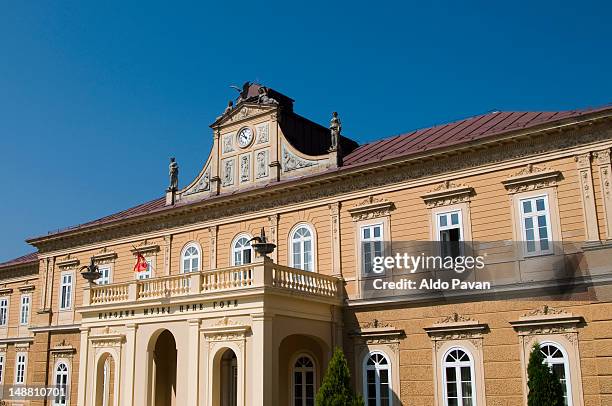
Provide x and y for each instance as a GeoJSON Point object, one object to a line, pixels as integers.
{"type": "Point", "coordinates": [68, 263]}
{"type": "Point", "coordinates": [145, 249]}
{"type": "Point", "coordinates": [104, 257]}
{"type": "Point", "coordinates": [546, 319]}
{"type": "Point", "coordinates": [334, 183]}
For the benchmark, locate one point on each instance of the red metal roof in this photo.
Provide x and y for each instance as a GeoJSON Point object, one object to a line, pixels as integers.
{"type": "Point", "coordinates": [25, 259]}
{"type": "Point", "coordinates": [469, 129]}
{"type": "Point", "coordinates": [418, 141]}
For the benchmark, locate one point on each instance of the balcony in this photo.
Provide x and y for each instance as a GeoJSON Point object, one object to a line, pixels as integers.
{"type": "Point", "coordinates": [262, 274]}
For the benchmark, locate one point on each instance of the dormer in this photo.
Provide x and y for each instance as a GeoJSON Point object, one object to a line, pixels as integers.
{"type": "Point", "coordinates": [260, 140]}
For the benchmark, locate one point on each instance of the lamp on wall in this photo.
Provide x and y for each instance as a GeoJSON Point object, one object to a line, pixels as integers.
{"type": "Point", "coordinates": [90, 272]}
{"type": "Point", "coordinates": [261, 246]}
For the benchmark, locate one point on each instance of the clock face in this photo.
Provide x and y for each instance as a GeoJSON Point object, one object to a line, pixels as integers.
{"type": "Point", "coordinates": [245, 136]}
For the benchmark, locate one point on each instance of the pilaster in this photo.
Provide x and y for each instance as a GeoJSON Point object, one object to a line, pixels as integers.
{"type": "Point", "coordinates": [83, 367]}
{"type": "Point", "coordinates": [602, 160]}
{"type": "Point", "coordinates": [212, 233]}
{"type": "Point", "coordinates": [263, 367]}
{"type": "Point", "coordinates": [334, 212]}
{"type": "Point", "coordinates": [583, 164]}
{"type": "Point", "coordinates": [167, 253]}
{"type": "Point", "coordinates": [127, 397]}
{"type": "Point", "coordinates": [193, 362]}
{"type": "Point", "coordinates": [273, 219]}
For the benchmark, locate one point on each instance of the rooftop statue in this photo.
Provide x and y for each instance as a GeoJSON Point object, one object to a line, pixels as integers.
{"type": "Point", "coordinates": [335, 127]}
{"type": "Point", "coordinates": [173, 170]}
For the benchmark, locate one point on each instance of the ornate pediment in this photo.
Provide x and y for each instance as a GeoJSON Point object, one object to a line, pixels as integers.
{"type": "Point", "coordinates": [456, 326]}
{"type": "Point", "coordinates": [546, 320]}
{"type": "Point", "coordinates": [225, 329]}
{"type": "Point", "coordinates": [447, 193]}
{"type": "Point", "coordinates": [242, 112]}
{"type": "Point", "coordinates": [104, 257]}
{"type": "Point", "coordinates": [377, 332]}
{"type": "Point", "coordinates": [145, 248]}
{"type": "Point", "coordinates": [371, 207]}
{"type": "Point", "coordinates": [68, 262]}
{"type": "Point", "coordinates": [530, 178]}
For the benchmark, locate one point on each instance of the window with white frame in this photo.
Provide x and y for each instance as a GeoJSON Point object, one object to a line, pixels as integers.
{"type": "Point", "coordinates": [66, 291]}
{"type": "Point", "coordinates": [3, 311]}
{"type": "Point", "coordinates": [24, 311]}
{"type": "Point", "coordinates": [2, 355]}
{"type": "Point", "coordinates": [190, 259]}
{"type": "Point", "coordinates": [105, 274]}
{"type": "Point", "coordinates": [302, 248]}
{"type": "Point", "coordinates": [303, 382]}
{"type": "Point", "coordinates": [377, 380]}
{"type": "Point", "coordinates": [241, 251]}
{"type": "Point", "coordinates": [20, 368]}
{"type": "Point", "coordinates": [61, 382]}
{"type": "Point", "coordinates": [371, 240]}
{"type": "Point", "coordinates": [557, 361]}
{"type": "Point", "coordinates": [535, 224]}
{"type": "Point", "coordinates": [148, 273]}
{"type": "Point", "coordinates": [458, 375]}
{"type": "Point", "coordinates": [449, 232]}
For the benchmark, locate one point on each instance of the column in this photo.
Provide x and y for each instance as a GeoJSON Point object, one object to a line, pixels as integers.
{"type": "Point", "coordinates": [127, 397]}
{"type": "Point", "coordinates": [193, 363]}
{"type": "Point", "coordinates": [83, 367]}
{"type": "Point", "coordinates": [583, 164]}
{"type": "Point", "coordinates": [260, 370]}
{"type": "Point", "coordinates": [602, 159]}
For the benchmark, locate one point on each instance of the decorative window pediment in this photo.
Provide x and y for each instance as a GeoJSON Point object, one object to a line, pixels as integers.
{"type": "Point", "coordinates": [455, 327]}
{"type": "Point", "coordinates": [546, 320]}
{"type": "Point", "coordinates": [446, 194]}
{"type": "Point", "coordinates": [108, 338]}
{"type": "Point", "coordinates": [68, 263]}
{"type": "Point", "coordinates": [104, 257]}
{"type": "Point", "coordinates": [62, 350]}
{"type": "Point", "coordinates": [145, 248]}
{"type": "Point", "coordinates": [371, 208]}
{"type": "Point", "coordinates": [531, 178]}
{"type": "Point", "coordinates": [378, 332]}
{"type": "Point", "coordinates": [225, 330]}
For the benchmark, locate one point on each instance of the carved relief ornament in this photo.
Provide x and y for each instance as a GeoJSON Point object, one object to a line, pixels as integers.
{"type": "Point", "coordinates": [225, 329]}
{"type": "Point", "coordinates": [446, 194]}
{"type": "Point", "coordinates": [371, 208]}
{"type": "Point", "coordinates": [457, 327]}
{"type": "Point", "coordinates": [376, 332]}
{"type": "Point", "coordinates": [531, 178]}
{"type": "Point", "coordinates": [546, 320]}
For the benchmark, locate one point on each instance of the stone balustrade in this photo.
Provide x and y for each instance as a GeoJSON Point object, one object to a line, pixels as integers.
{"type": "Point", "coordinates": [260, 274]}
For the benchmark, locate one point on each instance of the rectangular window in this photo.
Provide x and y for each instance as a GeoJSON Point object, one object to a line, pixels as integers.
{"type": "Point", "coordinates": [66, 291]}
{"type": "Point", "coordinates": [3, 311]}
{"type": "Point", "coordinates": [449, 232]}
{"type": "Point", "coordinates": [105, 274]}
{"type": "Point", "coordinates": [24, 312]}
{"type": "Point", "coordinates": [1, 368]}
{"type": "Point", "coordinates": [371, 246]}
{"type": "Point", "coordinates": [535, 223]}
{"type": "Point", "coordinates": [20, 369]}
{"type": "Point", "coordinates": [149, 272]}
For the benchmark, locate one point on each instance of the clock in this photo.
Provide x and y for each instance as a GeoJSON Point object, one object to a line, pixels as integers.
{"type": "Point", "coordinates": [245, 136]}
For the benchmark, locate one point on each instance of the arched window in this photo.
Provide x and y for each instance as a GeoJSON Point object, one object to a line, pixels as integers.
{"type": "Point", "coordinates": [301, 248]}
{"type": "Point", "coordinates": [303, 381]}
{"type": "Point", "coordinates": [241, 250]}
{"type": "Point", "coordinates": [377, 380]}
{"type": "Point", "coordinates": [557, 361]}
{"type": "Point", "coordinates": [190, 259]}
{"type": "Point", "coordinates": [61, 382]}
{"type": "Point", "coordinates": [459, 383]}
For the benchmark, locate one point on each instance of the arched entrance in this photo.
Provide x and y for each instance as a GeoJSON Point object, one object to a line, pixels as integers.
{"type": "Point", "coordinates": [164, 370]}
{"type": "Point", "coordinates": [225, 382]}
{"type": "Point", "coordinates": [105, 380]}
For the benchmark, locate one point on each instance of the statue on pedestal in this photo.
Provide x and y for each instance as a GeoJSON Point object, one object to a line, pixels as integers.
{"type": "Point", "coordinates": [173, 170]}
{"type": "Point", "coordinates": [335, 126]}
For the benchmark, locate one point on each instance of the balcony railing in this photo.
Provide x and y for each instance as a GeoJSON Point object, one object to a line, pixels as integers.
{"type": "Point", "coordinates": [259, 274]}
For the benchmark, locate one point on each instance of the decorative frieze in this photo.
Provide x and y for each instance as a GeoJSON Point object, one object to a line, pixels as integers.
{"type": "Point", "coordinates": [535, 145]}
{"type": "Point", "coordinates": [376, 332]}
{"type": "Point", "coordinates": [292, 162]}
{"type": "Point", "coordinates": [531, 178]}
{"type": "Point", "coordinates": [225, 329]}
{"type": "Point", "coordinates": [67, 263]}
{"type": "Point", "coordinates": [447, 193]}
{"type": "Point", "coordinates": [104, 257]}
{"type": "Point", "coordinates": [457, 327]}
{"type": "Point", "coordinates": [145, 248]}
{"type": "Point", "coordinates": [547, 321]}
{"type": "Point", "coordinates": [371, 208]}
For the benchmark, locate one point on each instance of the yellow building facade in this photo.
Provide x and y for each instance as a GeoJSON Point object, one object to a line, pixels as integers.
{"type": "Point", "coordinates": [211, 323]}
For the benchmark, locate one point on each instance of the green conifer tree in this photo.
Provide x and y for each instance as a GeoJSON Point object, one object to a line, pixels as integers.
{"type": "Point", "coordinates": [545, 388]}
{"type": "Point", "coordinates": [336, 387]}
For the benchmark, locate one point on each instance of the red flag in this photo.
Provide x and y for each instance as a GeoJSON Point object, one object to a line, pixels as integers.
{"type": "Point", "coordinates": [141, 264]}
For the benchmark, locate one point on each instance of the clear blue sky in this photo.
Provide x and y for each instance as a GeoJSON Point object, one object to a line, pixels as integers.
{"type": "Point", "coordinates": [94, 98]}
